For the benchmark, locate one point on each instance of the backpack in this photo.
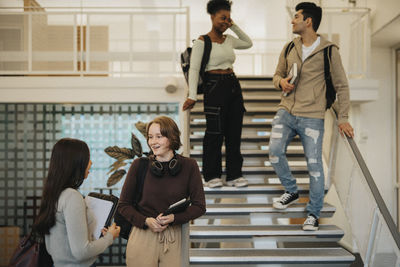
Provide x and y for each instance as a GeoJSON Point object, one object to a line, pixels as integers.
{"type": "Point", "coordinates": [185, 62]}
{"type": "Point", "coordinates": [120, 220]}
{"type": "Point", "coordinates": [330, 89]}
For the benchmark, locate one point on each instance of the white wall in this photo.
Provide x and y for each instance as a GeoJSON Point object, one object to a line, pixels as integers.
{"type": "Point", "coordinates": [377, 118]}
{"type": "Point", "coordinates": [383, 11]}
{"type": "Point", "coordinates": [376, 127]}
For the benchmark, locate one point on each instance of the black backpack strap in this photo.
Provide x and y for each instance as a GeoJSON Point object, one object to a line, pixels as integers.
{"type": "Point", "coordinates": [330, 90]}
{"type": "Point", "coordinates": [288, 48]}
{"type": "Point", "coordinates": [206, 54]}
{"type": "Point", "coordinates": [143, 165]}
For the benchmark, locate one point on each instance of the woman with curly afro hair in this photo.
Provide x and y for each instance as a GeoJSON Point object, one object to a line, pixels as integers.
{"type": "Point", "coordinates": [223, 100]}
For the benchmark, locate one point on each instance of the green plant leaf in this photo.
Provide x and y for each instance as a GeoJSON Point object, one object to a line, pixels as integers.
{"type": "Point", "coordinates": [120, 153]}
{"type": "Point", "coordinates": [115, 177]}
{"type": "Point", "coordinates": [116, 165]}
{"type": "Point", "coordinates": [141, 126]}
{"type": "Point", "coordinates": [136, 146]}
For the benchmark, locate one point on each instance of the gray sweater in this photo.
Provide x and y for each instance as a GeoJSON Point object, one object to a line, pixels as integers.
{"type": "Point", "coordinates": [69, 242]}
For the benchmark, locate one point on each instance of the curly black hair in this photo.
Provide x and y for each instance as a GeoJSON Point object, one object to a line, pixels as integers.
{"type": "Point", "coordinates": [213, 6]}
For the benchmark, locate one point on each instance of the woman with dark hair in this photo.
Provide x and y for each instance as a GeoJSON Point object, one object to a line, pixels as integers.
{"type": "Point", "coordinates": [223, 100]}
{"type": "Point", "coordinates": [62, 217]}
{"type": "Point", "coordinates": [155, 239]}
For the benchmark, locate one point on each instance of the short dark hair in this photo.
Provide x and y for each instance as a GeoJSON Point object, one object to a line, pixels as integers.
{"type": "Point", "coordinates": [169, 129]}
{"type": "Point", "coordinates": [311, 10]}
{"type": "Point", "coordinates": [213, 6]}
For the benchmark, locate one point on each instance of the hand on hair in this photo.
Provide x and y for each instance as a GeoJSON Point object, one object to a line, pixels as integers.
{"type": "Point", "coordinates": [231, 23]}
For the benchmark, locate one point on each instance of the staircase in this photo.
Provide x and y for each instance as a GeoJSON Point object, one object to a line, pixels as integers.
{"type": "Point", "coordinates": [241, 227]}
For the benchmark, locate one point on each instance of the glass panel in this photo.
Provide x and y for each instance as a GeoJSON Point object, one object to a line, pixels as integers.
{"type": "Point", "coordinates": [109, 41]}
{"type": "Point", "coordinates": [13, 43]}
{"type": "Point", "coordinates": [52, 42]}
{"type": "Point", "coordinates": [385, 252]}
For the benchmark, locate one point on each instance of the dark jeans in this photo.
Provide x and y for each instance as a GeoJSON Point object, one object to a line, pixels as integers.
{"type": "Point", "coordinates": [223, 107]}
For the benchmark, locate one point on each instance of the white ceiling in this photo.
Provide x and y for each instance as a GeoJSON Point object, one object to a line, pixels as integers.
{"type": "Point", "coordinates": [389, 35]}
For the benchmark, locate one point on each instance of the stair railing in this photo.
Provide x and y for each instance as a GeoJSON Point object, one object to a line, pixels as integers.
{"type": "Point", "coordinates": [373, 228]}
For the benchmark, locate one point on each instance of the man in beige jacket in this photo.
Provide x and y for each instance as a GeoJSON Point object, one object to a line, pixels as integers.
{"type": "Point", "coordinates": [302, 108]}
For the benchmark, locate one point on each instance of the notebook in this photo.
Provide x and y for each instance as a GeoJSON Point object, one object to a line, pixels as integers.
{"type": "Point", "coordinates": [103, 208]}
{"type": "Point", "coordinates": [177, 207]}
{"type": "Point", "coordinates": [293, 74]}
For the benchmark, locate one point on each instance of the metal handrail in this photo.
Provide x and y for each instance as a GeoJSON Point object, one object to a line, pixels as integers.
{"type": "Point", "coordinates": [374, 189]}
{"type": "Point", "coordinates": [375, 192]}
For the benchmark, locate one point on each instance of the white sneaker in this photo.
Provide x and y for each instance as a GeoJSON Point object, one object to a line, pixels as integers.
{"type": "Point", "coordinates": [213, 183]}
{"type": "Point", "coordinates": [238, 182]}
{"type": "Point", "coordinates": [311, 223]}
{"type": "Point", "coordinates": [285, 200]}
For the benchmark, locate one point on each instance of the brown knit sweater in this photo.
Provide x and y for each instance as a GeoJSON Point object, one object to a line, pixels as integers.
{"type": "Point", "coordinates": [160, 192]}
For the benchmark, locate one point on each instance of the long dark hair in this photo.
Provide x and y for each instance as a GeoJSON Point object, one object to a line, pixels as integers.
{"type": "Point", "coordinates": [68, 163]}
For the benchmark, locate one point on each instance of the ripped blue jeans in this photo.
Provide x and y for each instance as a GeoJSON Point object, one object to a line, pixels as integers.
{"type": "Point", "coordinates": [311, 132]}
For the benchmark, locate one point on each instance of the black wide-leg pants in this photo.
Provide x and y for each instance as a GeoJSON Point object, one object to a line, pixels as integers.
{"type": "Point", "coordinates": [224, 109]}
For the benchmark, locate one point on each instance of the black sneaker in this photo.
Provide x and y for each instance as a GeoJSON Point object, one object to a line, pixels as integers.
{"type": "Point", "coordinates": [311, 223]}
{"type": "Point", "coordinates": [285, 200]}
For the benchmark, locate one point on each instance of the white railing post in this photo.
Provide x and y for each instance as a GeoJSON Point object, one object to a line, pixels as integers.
{"type": "Point", "coordinates": [87, 44]}
{"type": "Point", "coordinates": [30, 56]}
{"type": "Point", "coordinates": [130, 42]}
{"type": "Point", "coordinates": [81, 45]}
{"type": "Point", "coordinates": [185, 242]}
{"type": "Point", "coordinates": [367, 41]}
{"type": "Point", "coordinates": [174, 40]}
{"type": "Point", "coordinates": [187, 26]}
{"type": "Point", "coordinates": [371, 240]}
{"type": "Point", "coordinates": [185, 245]}
{"type": "Point", "coordinates": [75, 44]}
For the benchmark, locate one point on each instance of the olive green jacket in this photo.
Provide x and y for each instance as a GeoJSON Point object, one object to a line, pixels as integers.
{"type": "Point", "coordinates": [308, 99]}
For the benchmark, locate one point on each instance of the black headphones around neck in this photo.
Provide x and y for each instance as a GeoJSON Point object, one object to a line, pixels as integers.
{"type": "Point", "coordinates": [173, 166]}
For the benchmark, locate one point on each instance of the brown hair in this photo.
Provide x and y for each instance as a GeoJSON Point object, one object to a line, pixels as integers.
{"type": "Point", "coordinates": [169, 129]}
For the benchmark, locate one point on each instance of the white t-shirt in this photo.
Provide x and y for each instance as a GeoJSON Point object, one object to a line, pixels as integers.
{"type": "Point", "coordinates": [308, 50]}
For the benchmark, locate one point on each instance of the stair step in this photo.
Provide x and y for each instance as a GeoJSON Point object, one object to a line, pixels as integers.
{"type": "Point", "coordinates": [245, 138]}
{"type": "Point", "coordinates": [254, 189]}
{"type": "Point", "coordinates": [266, 79]}
{"type": "Point", "coordinates": [269, 170]}
{"type": "Point", "coordinates": [250, 124]}
{"type": "Point", "coordinates": [253, 98]}
{"type": "Point", "coordinates": [287, 233]}
{"type": "Point", "coordinates": [198, 109]}
{"type": "Point", "coordinates": [297, 210]}
{"type": "Point", "coordinates": [268, 117]}
{"type": "Point", "coordinates": [334, 256]}
{"type": "Point", "coordinates": [260, 87]}
{"type": "Point", "coordinates": [253, 153]}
